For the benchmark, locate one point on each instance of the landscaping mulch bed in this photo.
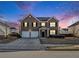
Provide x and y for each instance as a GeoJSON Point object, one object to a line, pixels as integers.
{"type": "Point", "coordinates": [7, 40]}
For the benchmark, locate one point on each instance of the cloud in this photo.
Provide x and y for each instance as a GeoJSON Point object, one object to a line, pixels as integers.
{"type": "Point", "coordinates": [66, 17]}
{"type": "Point", "coordinates": [24, 5]}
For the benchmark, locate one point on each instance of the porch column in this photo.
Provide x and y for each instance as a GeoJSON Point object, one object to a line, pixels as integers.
{"type": "Point", "coordinates": [39, 33]}
{"type": "Point", "coordinates": [47, 32]}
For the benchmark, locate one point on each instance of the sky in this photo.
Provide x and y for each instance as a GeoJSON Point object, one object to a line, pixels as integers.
{"type": "Point", "coordinates": [67, 12]}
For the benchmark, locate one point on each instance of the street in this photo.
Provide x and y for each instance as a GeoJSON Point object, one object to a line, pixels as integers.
{"type": "Point", "coordinates": [40, 54]}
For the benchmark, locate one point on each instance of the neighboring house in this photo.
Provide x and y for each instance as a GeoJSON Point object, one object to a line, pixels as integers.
{"type": "Point", "coordinates": [4, 29]}
{"type": "Point", "coordinates": [13, 29]}
{"type": "Point", "coordinates": [63, 31]}
{"type": "Point", "coordinates": [38, 26]}
{"type": "Point", "coordinates": [74, 29]}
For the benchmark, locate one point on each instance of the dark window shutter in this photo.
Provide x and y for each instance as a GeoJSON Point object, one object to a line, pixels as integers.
{"type": "Point", "coordinates": [23, 24]}
{"type": "Point", "coordinates": [27, 24]}
{"type": "Point", "coordinates": [36, 24]}
{"type": "Point", "coordinates": [32, 24]}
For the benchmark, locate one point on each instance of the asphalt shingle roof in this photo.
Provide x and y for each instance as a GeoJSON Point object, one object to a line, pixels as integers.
{"type": "Point", "coordinates": [43, 18]}
{"type": "Point", "coordinates": [74, 24]}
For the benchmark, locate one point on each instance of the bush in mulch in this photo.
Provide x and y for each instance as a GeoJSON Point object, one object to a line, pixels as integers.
{"type": "Point", "coordinates": [9, 38]}
{"type": "Point", "coordinates": [2, 37]}
{"type": "Point", "coordinates": [56, 36]}
{"type": "Point", "coordinates": [14, 34]}
{"type": "Point", "coordinates": [68, 35]}
{"type": "Point", "coordinates": [61, 36]}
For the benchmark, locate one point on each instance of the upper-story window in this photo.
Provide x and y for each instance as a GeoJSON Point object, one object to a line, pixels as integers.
{"type": "Point", "coordinates": [34, 24]}
{"type": "Point", "coordinates": [52, 24]}
{"type": "Point", "coordinates": [43, 24]}
{"type": "Point", "coordinates": [29, 16]}
{"type": "Point", "coordinates": [25, 24]}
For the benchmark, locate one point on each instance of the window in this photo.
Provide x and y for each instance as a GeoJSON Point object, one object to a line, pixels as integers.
{"type": "Point", "coordinates": [29, 16]}
{"type": "Point", "coordinates": [52, 32]}
{"type": "Point", "coordinates": [52, 24]}
{"type": "Point", "coordinates": [25, 24]}
{"type": "Point", "coordinates": [34, 24]}
{"type": "Point", "coordinates": [43, 24]}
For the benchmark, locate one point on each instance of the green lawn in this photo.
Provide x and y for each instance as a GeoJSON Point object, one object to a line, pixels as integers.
{"type": "Point", "coordinates": [60, 40]}
{"type": "Point", "coordinates": [56, 39]}
{"type": "Point", "coordinates": [64, 48]}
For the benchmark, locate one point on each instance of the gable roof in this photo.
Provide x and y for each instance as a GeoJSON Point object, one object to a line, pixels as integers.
{"type": "Point", "coordinates": [74, 24]}
{"type": "Point", "coordinates": [28, 16]}
{"type": "Point", "coordinates": [40, 18]}
{"type": "Point", "coordinates": [4, 23]}
{"type": "Point", "coordinates": [54, 18]}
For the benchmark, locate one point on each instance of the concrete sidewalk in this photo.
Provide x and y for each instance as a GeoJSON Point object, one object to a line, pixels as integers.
{"type": "Point", "coordinates": [40, 54]}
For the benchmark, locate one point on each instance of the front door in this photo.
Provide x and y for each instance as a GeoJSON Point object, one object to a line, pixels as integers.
{"type": "Point", "coordinates": [43, 33]}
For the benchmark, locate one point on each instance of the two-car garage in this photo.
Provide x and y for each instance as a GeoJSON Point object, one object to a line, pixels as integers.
{"type": "Point", "coordinates": [28, 34]}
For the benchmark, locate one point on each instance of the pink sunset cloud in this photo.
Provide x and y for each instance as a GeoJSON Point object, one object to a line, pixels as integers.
{"type": "Point", "coordinates": [63, 24]}
{"type": "Point", "coordinates": [65, 18]}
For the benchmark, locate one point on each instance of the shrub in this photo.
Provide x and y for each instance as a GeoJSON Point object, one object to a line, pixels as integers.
{"type": "Point", "coordinates": [2, 37]}
{"type": "Point", "coordinates": [57, 36]}
{"type": "Point", "coordinates": [68, 35]}
{"type": "Point", "coordinates": [14, 34]}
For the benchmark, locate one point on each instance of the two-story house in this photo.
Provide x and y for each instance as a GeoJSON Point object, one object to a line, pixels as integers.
{"type": "Point", "coordinates": [32, 27]}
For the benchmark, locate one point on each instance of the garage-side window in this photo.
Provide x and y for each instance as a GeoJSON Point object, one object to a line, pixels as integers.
{"type": "Point", "coordinates": [25, 24]}
{"type": "Point", "coordinates": [52, 32]}
{"type": "Point", "coordinates": [34, 24]}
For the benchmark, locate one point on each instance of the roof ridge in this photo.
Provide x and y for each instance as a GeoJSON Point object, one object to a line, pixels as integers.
{"type": "Point", "coordinates": [74, 24]}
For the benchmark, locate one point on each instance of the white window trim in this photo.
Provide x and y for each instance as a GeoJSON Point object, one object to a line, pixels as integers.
{"type": "Point", "coordinates": [34, 24]}
{"type": "Point", "coordinates": [43, 24]}
{"type": "Point", "coordinates": [52, 32]}
{"type": "Point", "coordinates": [52, 24]}
{"type": "Point", "coordinates": [25, 24]}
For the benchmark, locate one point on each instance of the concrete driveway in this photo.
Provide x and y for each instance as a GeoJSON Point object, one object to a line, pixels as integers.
{"type": "Point", "coordinates": [22, 44]}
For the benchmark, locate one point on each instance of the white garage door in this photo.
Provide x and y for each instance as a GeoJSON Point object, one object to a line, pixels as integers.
{"type": "Point", "coordinates": [29, 34]}
{"type": "Point", "coordinates": [25, 34]}
{"type": "Point", "coordinates": [34, 34]}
